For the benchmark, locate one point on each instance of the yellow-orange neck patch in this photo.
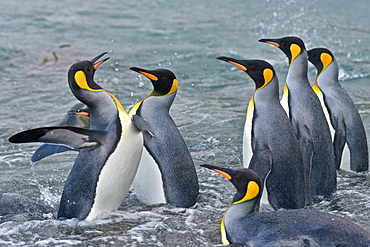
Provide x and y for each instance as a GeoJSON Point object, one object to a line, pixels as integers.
{"type": "Point", "coordinates": [295, 50]}
{"type": "Point", "coordinates": [267, 75]}
{"type": "Point", "coordinates": [175, 85]}
{"type": "Point", "coordinates": [326, 60]}
{"type": "Point", "coordinates": [80, 78]}
{"type": "Point", "coordinates": [252, 191]}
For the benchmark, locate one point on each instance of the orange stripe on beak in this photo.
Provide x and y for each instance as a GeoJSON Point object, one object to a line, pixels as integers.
{"type": "Point", "coordinates": [96, 66]}
{"type": "Point", "coordinates": [273, 43]}
{"type": "Point", "coordinates": [223, 174]}
{"type": "Point", "coordinates": [150, 76]}
{"type": "Point", "coordinates": [238, 65]}
{"type": "Point", "coordinates": [82, 113]}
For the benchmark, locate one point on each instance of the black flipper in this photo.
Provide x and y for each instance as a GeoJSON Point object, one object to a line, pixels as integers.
{"type": "Point", "coordinates": [46, 150]}
{"type": "Point", "coordinates": [76, 138]}
{"type": "Point", "coordinates": [142, 125]}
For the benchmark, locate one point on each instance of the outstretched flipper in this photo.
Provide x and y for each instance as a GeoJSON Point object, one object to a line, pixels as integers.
{"type": "Point", "coordinates": [46, 150]}
{"type": "Point", "coordinates": [77, 116]}
{"type": "Point", "coordinates": [76, 138]}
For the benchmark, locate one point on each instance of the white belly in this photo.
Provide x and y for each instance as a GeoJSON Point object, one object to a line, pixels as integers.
{"type": "Point", "coordinates": [148, 184]}
{"type": "Point", "coordinates": [247, 135]}
{"type": "Point", "coordinates": [119, 171]}
{"type": "Point", "coordinates": [346, 159]}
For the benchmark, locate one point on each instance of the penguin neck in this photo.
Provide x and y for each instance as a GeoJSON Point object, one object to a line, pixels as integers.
{"type": "Point", "coordinates": [267, 95]}
{"type": "Point", "coordinates": [297, 72]}
{"type": "Point", "coordinates": [329, 76]}
{"type": "Point", "coordinates": [103, 109]}
{"type": "Point", "coordinates": [166, 100]}
{"type": "Point", "coordinates": [239, 211]}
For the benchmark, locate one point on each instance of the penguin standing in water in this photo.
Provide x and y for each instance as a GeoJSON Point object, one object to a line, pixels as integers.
{"type": "Point", "coordinates": [109, 151]}
{"type": "Point", "coordinates": [344, 115]}
{"type": "Point", "coordinates": [276, 156]}
{"type": "Point", "coordinates": [308, 119]}
{"type": "Point", "coordinates": [296, 227]}
{"type": "Point", "coordinates": [166, 172]}
{"type": "Point", "coordinates": [78, 116]}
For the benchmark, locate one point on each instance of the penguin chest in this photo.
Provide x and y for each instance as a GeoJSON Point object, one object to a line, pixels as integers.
{"type": "Point", "coordinates": [320, 95]}
{"type": "Point", "coordinates": [247, 134]}
{"type": "Point", "coordinates": [172, 156]}
{"type": "Point", "coordinates": [148, 184]}
{"type": "Point", "coordinates": [119, 170]}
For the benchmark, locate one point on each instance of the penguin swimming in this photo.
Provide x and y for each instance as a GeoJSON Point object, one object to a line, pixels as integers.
{"type": "Point", "coordinates": [343, 113]}
{"type": "Point", "coordinates": [296, 227]}
{"type": "Point", "coordinates": [166, 172]}
{"type": "Point", "coordinates": [308, 119]}
{"type": "Point", "coordinates": [109, 151]}
{"type": "Point", "coordinates": [276, 156]}
{"type": "Point", "coordinates": [78, 116]}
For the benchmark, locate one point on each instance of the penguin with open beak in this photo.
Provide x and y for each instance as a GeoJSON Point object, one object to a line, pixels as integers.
{"type": "Point", "coordinates": [110, 149]}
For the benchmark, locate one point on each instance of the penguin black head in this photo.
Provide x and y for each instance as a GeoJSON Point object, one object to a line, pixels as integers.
{"type": "Point", "coordinates": [292, 46]}
{"type": "Point", "coordinates": [81, 74]}
{"type": "Point", "coordinates": [321, 58]}
{"type": "Point", "coordinates": [163, 80]}
{"type": "Point", "coordinates": [246, 182]}
{"type": "Point", "coordinates": [259, 70]}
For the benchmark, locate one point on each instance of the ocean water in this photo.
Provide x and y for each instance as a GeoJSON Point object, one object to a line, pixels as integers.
{"type": "Point", "coordinates": [185, 37]}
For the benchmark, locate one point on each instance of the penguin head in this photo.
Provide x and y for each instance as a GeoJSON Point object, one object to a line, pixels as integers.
{"type": "Point", "coordinates": [163, 80]}
{"type": "Point", "coordinates": [81, 75]}
{"type": "Point", "coordinates": [292, 46]}
{"type": "Point", "coordinates": [246, 182]}
{"type": "Point", "coordinates": [321, 58]}
{"type": "Point", "coordinates": [259, 70]}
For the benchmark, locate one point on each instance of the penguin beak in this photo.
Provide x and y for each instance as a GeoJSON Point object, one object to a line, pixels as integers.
{"type": "Point", "coordinates": [233, 61]}
{"type": "Point", "coordinates": [79, 112]}
{"type": "Point", "coordinates": [274, 42]}
{"type": "Point", "coordinates": [95, 59]}
{"type": "Point", "coordinates": [147, 73]}
{"type": "Point", "coordinates": [226, 172]}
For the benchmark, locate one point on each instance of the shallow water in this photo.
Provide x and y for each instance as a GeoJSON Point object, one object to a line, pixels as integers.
{"type": "Point", "coordinates": [184, 37]}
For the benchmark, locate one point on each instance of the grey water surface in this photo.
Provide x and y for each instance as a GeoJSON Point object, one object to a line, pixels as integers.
{"type": "Point", "coordinates": [185, 37]}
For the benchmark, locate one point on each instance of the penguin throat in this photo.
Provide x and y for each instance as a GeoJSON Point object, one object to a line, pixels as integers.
{"type": "Point", "coordinates": [160, 90]}
{"type": "Point", "coordinates": [298, 70]}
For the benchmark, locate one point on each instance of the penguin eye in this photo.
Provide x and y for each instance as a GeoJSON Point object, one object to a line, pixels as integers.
{"type": "Point", "coordinates": [238, 178]}
{"type": "Point", "coordinates": [253, 68]}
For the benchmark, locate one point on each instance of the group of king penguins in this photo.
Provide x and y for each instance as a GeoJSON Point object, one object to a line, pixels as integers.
{"type": "Point", "coordinates": [292, 149]}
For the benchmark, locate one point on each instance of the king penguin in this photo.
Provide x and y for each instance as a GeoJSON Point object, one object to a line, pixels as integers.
{"type": "Point", "coordinates": [166, 172]}
{"type": "Point", "coordinates": [296, 227]}
{"type": "Point", "coordinates": [77, 116]}
{"type": "Point", "coordinates": [308, 119]}
{"type": "Point", "coordinates": [344, 115]}
{"type": "Point", "coordinates": [109, 153]}
{"type": "Point", "coordinates": [276, 156]}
